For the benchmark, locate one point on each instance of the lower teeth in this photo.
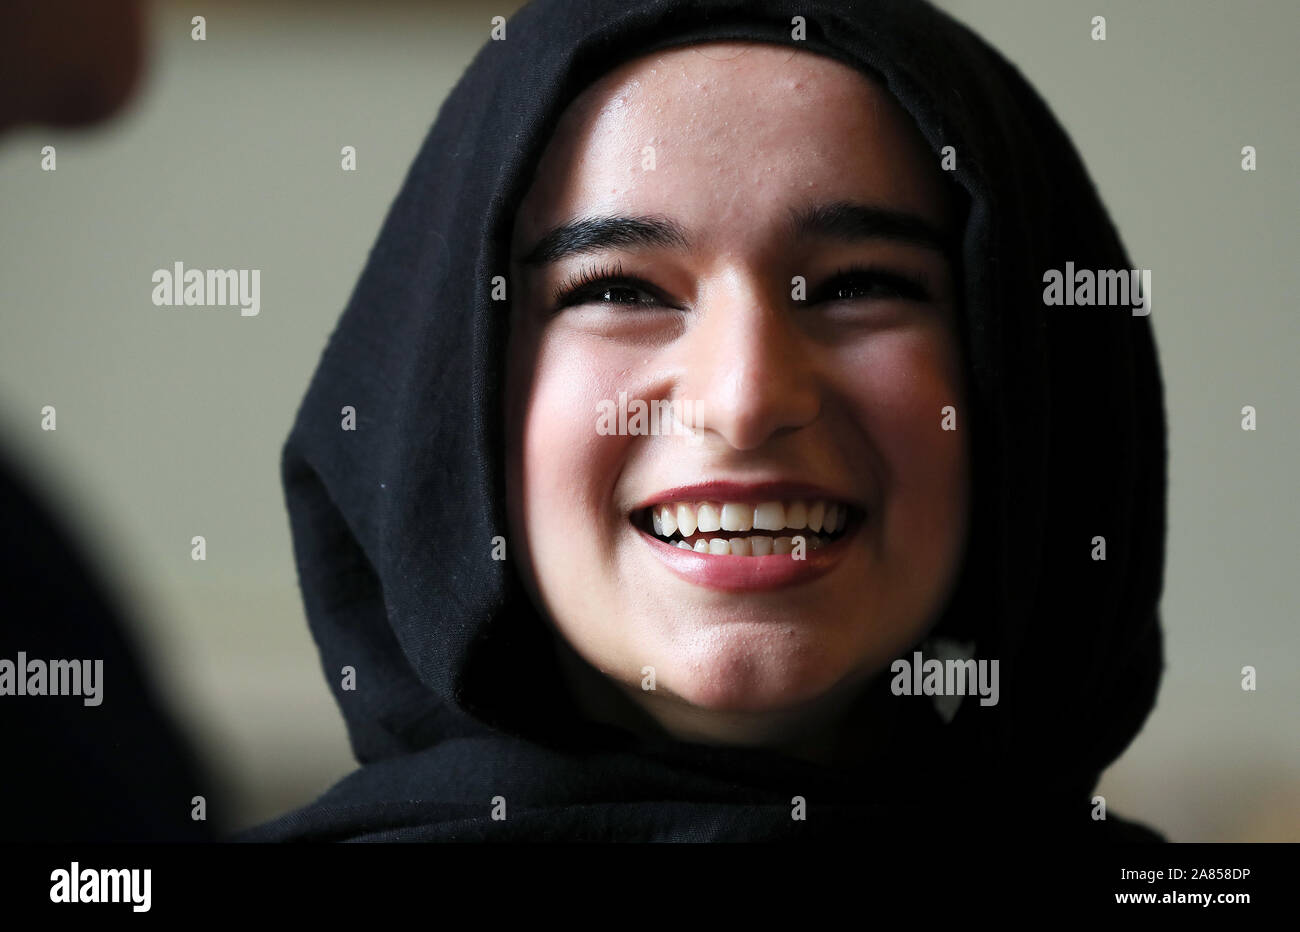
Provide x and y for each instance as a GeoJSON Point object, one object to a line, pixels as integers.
{"type": "Point", "coordinates": [755, 546]}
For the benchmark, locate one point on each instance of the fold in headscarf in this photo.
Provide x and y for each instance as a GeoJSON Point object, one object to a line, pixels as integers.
{"type": "Point", "coordinates": [457, 697]}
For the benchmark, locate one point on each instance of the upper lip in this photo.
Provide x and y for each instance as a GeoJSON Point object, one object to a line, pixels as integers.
{"type": "Point", "coordinates": [723, 490]}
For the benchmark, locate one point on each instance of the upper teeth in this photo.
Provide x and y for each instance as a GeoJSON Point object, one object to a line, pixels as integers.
{"type": "Point", "coordinates": [706, 517]}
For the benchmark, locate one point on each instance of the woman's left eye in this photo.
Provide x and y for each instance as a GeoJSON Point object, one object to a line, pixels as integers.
{"type": "Point", "coordinates": [863, 283]}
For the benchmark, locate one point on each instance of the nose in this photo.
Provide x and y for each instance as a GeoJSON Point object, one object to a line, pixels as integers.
{"type": "Point", "coordinates": [747, 367]}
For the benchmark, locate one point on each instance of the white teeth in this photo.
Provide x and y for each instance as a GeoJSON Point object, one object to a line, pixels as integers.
{"type": "Point", "coordinates": [832, 515]}
{"type": "Point", "coordinates": [757, 546]}
{"type": "Point", "coordinates": [686, 520]}
{"type": "Point", "coordinates": [816, 511]}
{"type": "Point", "coordinates": [737, 518]}
{"type": "Point", "coordinates": [769, 516]}
{"type": "Point", "coordinates": [668, 518]}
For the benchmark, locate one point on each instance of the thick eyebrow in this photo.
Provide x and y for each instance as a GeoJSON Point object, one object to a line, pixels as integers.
{"type": "Point", "coordinates": [593, 233]}
{"type": "Point", "coordinates": [852, 222]}
{"type": "Point", "coordinates": [843, 220]}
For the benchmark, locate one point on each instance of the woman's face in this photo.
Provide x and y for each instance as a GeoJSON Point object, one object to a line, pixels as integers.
{"type": "Point", "coordinates": [764, 249]}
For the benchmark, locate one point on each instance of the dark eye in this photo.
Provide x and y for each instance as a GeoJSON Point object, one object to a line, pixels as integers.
{"type": "Point", "coordinates": [611, 292]}
{"type": "Point", "coordinates": [605, 285]}
{"type": "Point", "coordinates": [854, 284]}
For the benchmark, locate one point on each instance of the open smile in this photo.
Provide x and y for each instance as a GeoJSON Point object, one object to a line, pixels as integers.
{"type": "Point", "coordinates": [742, 529]}
{"type": "Point", "coordinates": [747, 544]}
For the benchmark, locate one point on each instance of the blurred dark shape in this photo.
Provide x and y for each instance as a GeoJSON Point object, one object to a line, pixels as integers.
{"type": "Point", "coordinates": [118, 771]}
{"type": "Point", "coordinates": [67, 63]}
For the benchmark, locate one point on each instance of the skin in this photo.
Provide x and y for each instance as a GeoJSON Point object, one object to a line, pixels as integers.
{"type": "Point", "coordinates": [844, 393]}
{"type": "Point", "coordinates": [68, 62]}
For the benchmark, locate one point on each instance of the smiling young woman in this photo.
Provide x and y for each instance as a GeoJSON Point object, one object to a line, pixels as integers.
{"type": "Point", "coordinates": [769, 166]}
{"type": "Point", "coordinates": [828, 244]}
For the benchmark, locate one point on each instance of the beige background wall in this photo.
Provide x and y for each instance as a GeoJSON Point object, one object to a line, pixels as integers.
{"type": "Point", "coordinates": [170, 424]}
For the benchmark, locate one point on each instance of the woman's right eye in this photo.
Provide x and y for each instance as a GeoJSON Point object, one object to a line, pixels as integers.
{"type": "Point", "coordinates": [605, 285]}
{"type": "Point", "coordinates": [612, 292]}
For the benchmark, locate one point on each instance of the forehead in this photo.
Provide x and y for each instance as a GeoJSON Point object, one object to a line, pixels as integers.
{"type": "Point", "coordinates": [721, 135]}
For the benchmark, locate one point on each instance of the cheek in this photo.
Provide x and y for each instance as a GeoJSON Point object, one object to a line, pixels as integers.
{"type": "Point", "coordinates": [569, 469]}
{"type": "Point", "coordinates": [907, 387]}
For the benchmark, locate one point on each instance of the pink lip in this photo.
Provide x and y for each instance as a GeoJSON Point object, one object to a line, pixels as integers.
{"type": "Point", "coordinates": [749, 574]}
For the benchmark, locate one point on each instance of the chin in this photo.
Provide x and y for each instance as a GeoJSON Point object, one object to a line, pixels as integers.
{"type": "Point", "coordinates": [752, 668]}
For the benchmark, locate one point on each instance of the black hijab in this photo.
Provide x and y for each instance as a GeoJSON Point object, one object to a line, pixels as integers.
{"type": "Point", "coordinates": [458, 699]}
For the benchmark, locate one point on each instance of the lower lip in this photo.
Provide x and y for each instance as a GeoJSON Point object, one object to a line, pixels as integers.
{"type": "Point", "coordinates": [748, 574]}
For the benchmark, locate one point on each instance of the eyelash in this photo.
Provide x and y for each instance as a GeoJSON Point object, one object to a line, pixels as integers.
{"type": "Point", "coordinates": [896, 285]}
{"type": "Point", "coordinates": [574, 287]}
{"type": "Point", "coordinates": [907, 287]}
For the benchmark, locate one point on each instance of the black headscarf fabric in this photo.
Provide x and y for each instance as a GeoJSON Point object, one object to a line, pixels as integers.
{"type": "Point", "coordinates": [458, 699]}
